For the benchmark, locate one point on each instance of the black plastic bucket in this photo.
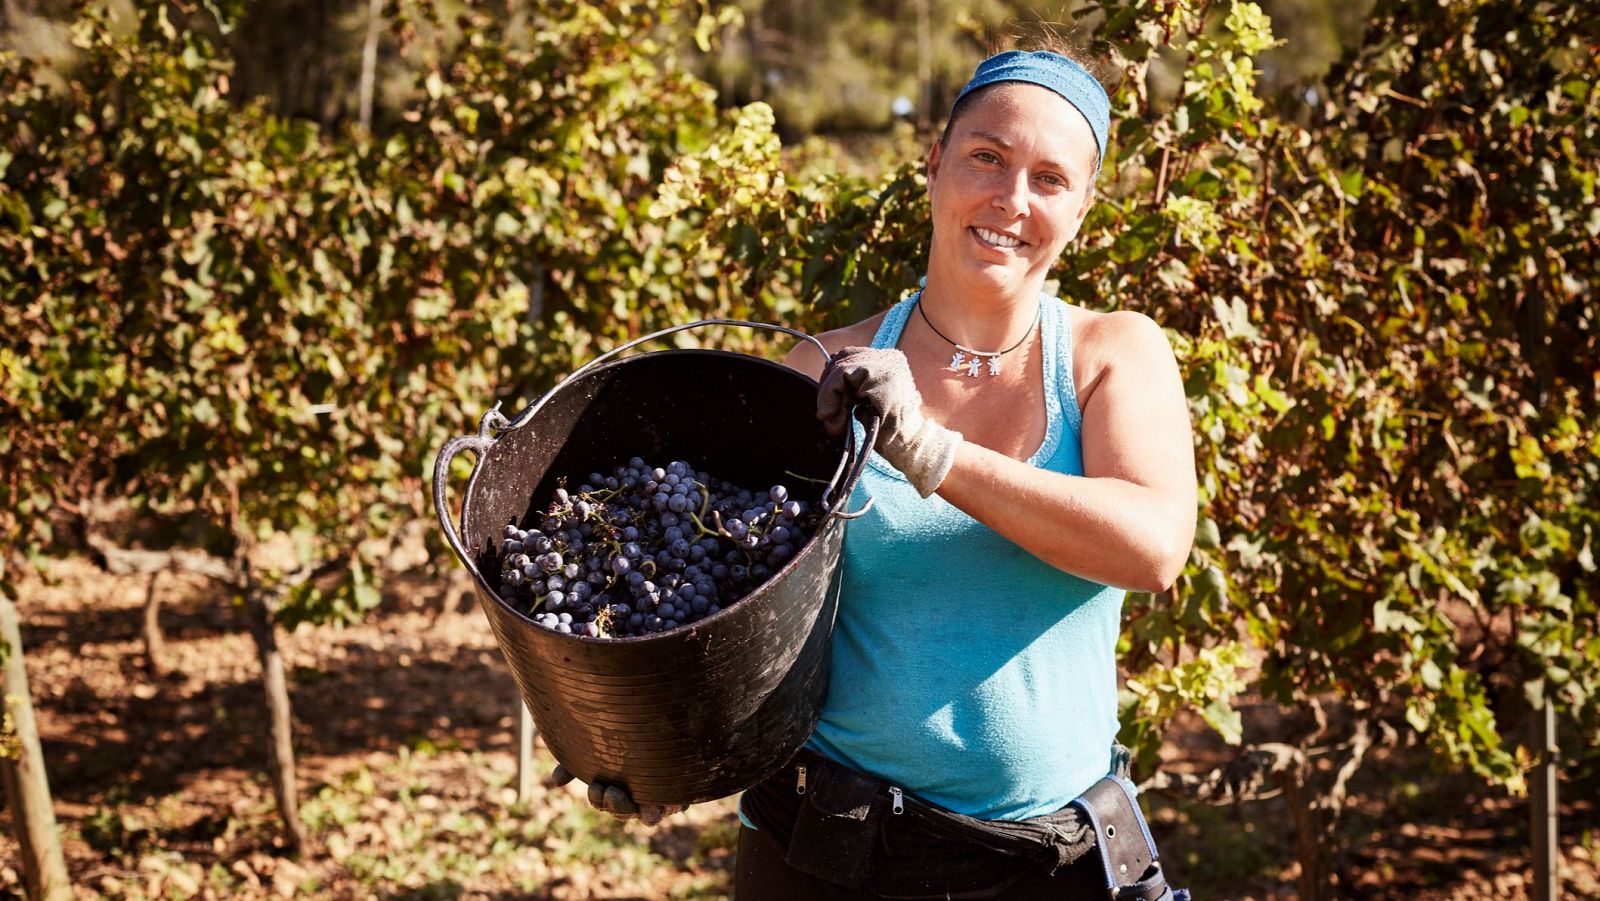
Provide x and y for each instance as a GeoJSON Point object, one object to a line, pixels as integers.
{"type": "Point", "coordinates": [710, 708]}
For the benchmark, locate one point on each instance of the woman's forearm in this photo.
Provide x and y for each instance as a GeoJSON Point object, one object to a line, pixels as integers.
{"type": "Point", "coordinates": [1108, 530]}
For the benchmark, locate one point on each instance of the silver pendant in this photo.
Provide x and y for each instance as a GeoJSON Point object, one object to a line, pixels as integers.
{"type": "Point", "coordinates": [972, 366]}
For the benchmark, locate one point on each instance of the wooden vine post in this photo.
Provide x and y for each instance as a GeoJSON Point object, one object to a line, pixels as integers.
{"type": "Point", "coordinates": [1545, 827]}
{"type": "Point", "coordinates": [27, 790]}
{"type": "Point", "coordinates": [525, 768]}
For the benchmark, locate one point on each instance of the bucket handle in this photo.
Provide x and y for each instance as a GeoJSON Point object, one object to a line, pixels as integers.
{"type": "Point", "coordinates": [838, 492]}
{"type": "Point", "coordinates": [494, 421]}
{"type": "Point", "coordinates": [528, 414]}
{"type": "Point", "coordinates": [838, 485]}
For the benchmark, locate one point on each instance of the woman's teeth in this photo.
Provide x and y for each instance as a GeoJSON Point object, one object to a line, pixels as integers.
{"type": "Point", "coordinates": [997, 239]}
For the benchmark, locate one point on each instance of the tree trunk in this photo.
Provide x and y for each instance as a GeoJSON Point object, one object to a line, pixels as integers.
{"type": "Point", "coordinates": [758, 68]}
{"type": "Point", "coordinates": [153, 641]}
{"type": "Point", "coordinates": [924, 67]}
{"type": "Point", "coordinates": [280, 747]}
{"type": "Point", "coordinates": [27, 789]}
{"type": "Point", "coordinates": [369, 61]}
{"type": "Point", "coordinates": [1309, 833]}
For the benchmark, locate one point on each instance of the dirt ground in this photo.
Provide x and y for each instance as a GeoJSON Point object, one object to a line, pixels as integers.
{"type": "Point", "coordinates": [405, 731]}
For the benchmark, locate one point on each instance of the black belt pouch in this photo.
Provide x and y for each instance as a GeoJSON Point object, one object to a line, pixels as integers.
{"type": "Point", "coordinates": [836, 829]}
{"type": "Point", "coordinates": [1127, 852]}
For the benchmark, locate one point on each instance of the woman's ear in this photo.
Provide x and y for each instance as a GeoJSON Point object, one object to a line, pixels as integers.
{"type": "Point", "coordinates": [1088, 201]}
{"type": "Point", "coordinates": [935, 153]}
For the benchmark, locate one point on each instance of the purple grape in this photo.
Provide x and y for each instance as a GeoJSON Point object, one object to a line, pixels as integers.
{"type": "Point", "coordinates": [626, 546]}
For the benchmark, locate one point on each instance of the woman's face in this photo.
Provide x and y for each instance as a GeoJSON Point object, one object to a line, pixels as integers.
{"type": "Point", "coordinates": [1009, 187]}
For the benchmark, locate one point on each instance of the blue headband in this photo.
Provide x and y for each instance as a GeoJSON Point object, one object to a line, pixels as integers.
{"type": "Point", "coordinates": [1055, 72]}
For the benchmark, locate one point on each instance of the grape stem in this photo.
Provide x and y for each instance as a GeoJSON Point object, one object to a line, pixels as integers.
{"type": "Point", "coordinates": [699, 524]}
{"type": "Point", "coordinates": [716, 519]}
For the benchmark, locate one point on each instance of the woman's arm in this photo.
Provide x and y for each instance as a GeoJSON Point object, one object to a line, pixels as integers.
{"type": "Point", "coordinates": [1129, 520]}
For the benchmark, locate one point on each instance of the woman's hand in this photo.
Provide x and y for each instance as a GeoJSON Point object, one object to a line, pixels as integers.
{"type": "Point", "coordinates": [613, 798]}
{"type": "Point", "coordinates": [881, 380]}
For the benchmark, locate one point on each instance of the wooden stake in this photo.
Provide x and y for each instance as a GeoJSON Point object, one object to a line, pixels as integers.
{"type": "Point", "coordinates": [33, 817]}
{"type": "Point", "coordinates": [1542, 793]}
{"type": "Point", "coordinates": [525, 770]}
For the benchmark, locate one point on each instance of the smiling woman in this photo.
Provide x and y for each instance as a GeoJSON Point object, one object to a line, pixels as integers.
{"type": "Point", "coordinates": [1035, 462]}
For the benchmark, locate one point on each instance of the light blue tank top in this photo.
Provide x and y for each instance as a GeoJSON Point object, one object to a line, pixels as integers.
{"type": "Point", "coordinates": [965, 669]}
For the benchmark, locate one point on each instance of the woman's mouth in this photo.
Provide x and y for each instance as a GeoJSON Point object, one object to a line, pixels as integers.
{"type": "Point", "coordinates": [996, 239]}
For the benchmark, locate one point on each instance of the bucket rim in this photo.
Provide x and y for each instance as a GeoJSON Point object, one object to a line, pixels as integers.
{"type": "Point", "coordinates": [494, 426]}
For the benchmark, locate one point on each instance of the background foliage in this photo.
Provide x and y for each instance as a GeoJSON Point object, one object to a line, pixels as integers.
{"type": "Point", "coordinates": [1382, 301]}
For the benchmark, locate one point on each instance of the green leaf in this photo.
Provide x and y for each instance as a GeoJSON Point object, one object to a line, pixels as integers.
{"type": "Point", "coordinates": [1431, 676]}
{"type": "Point", "coordinates": [1351, 182]}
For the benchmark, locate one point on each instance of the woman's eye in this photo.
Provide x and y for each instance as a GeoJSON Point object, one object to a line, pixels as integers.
{"type": "Point", "coordinates": [1054, 181]}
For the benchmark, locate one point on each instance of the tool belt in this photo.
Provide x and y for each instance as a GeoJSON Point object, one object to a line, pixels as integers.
{"type": "Point", "coordinates": [856, 830]}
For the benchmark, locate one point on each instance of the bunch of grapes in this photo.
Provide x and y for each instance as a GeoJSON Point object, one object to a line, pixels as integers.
{"type": "Point", "coordinates": [648, 549]}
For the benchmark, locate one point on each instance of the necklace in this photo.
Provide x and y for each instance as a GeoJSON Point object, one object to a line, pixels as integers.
{"type": "Point", "coordinates": [969, 361]}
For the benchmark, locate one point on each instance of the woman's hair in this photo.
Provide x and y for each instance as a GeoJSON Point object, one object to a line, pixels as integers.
{"type": "Point", "coordinates": [1040, 35]}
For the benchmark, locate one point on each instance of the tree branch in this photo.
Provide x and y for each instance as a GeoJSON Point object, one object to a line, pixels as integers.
{"type": "Point", "coordinates": [121, 561]}
{"type": "Point", "coordinates": [1249, 776]}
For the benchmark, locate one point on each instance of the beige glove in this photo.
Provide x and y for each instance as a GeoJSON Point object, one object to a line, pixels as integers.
{"type": "Point", "coordinates": [880, 380]}
{"type": "Point", "coordinates": [615, 799]}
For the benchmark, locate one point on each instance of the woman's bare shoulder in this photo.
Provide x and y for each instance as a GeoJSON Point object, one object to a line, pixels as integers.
{"type": "Point", "coordinates": [1091, 328]}
{"type": "Point", "coordinates": [1103, 342]}
{"type": "Point", "coordinates": [804, 356]}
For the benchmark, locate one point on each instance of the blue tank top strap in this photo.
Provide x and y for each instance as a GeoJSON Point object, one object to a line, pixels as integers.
{"type": "Point", "coordinates": [1066, 390]}
{"type": "Point", "coordinates": [894, 322]}
{"type": "Point", "coordinates": [1050, 328]}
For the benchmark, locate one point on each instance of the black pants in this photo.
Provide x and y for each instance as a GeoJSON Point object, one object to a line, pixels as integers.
{"type": "Point", "coordinates": [761, 874]}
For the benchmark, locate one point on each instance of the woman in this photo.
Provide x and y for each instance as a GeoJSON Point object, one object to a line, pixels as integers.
{"type": "Point", "coordinates": [1034, 462]}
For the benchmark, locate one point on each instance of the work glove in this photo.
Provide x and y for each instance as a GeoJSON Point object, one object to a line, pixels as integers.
{"type": "Point", "coordinates": [614, 799]}
{"type": "Point", "coordinates": [880, 381]}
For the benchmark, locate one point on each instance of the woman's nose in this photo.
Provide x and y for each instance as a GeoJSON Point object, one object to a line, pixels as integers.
{"type": "Point", "coordinates": [1011, 195]}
